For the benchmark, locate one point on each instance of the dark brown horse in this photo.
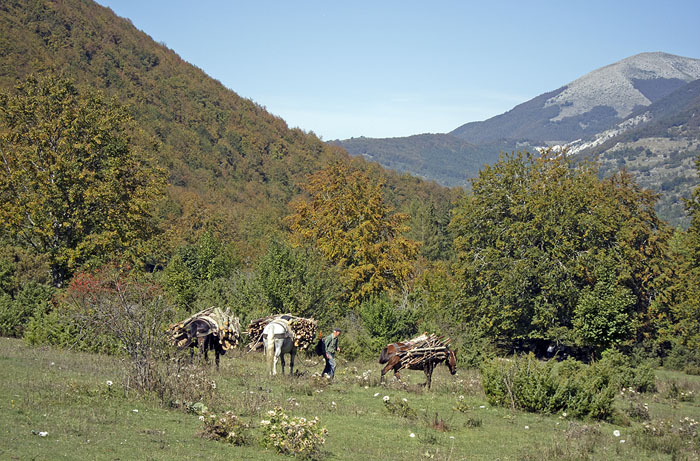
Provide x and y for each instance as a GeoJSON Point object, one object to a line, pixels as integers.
{"type": "Point", "coordinates": [395, 358]}
{"type": "Point", "coordinates": [201, 335]}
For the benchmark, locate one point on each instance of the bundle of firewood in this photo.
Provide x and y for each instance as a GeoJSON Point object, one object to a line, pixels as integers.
{"type": "Point", "coordinates": [221, 324]}
{"type": "Point", "coordinates": [304, 330]}
{"type": "Point", "coordinates": [422, 349]}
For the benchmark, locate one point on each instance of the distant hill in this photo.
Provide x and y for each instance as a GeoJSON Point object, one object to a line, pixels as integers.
{"type": "Point", "coordinates": [446, 159]}
{"type": "Point", "coordinates": [233, 167]}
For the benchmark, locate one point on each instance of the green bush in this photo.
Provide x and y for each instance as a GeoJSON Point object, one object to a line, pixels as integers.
{"type": "Point", "coordinates": [57, 326]}
{"type": "Point", "coordinates": [548, 387]}
{"type": "Point", "coordinates": [617, 368]}
{"type": "Point", "coordinates": [16, 312]}
{"type": "Point", "coordinates": [682, 357]}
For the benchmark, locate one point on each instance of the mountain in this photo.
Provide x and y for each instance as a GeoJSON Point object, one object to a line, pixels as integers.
{"type": "Point", "coordinates": [232, 166]}
{"type": "Point", "coordinates": [659, 145]}
{"type": "Point", "coordinates": [645, 103]}
{"type": "Point", "coordinates": [589, 104]}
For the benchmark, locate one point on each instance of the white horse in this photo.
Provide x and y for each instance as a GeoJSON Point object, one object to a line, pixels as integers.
{"type": "Point", "coordinates": [278, 339]}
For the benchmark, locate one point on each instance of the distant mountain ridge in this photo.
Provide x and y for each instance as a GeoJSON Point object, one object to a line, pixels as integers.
{"type": "Point", "coordinates": [446, 159]}
{"type": "Point", "coordinates": [644, 103]}
{"type": "Point", "coordinates": [589, 104]}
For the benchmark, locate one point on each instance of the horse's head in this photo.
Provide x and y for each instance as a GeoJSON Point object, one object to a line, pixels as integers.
{"type": "Point", "coordinates": [451, 361]}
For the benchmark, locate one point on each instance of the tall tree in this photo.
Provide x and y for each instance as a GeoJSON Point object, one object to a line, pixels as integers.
{"type": "Point", "coordinates": [678, 308]}
{"type": "Point", "coordinates": [532, 238]}
{"type": "Point", "coordinates": [347, 219]}
{"type": "Point", "coordinates": [71, 186]}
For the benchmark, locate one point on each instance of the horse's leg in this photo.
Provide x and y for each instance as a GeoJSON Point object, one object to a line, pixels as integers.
{"type": "Point", "coordinates": [292, 354]}
{"type": "Point", "coordinates": [205, 349]}
{"type": "Point", "coordinates": [428, 369]}
{"type": "Point", "coordinates": [278, 352]}
{"type": "Point", "coordinates": [282, 359]}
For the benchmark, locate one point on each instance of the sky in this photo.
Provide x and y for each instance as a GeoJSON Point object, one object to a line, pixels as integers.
{"type": "Point", "coordinates": [397, 68]}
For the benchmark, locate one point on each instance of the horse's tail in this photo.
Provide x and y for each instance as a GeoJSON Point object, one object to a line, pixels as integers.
{"type": "Point", "coordinates": [384, 356]}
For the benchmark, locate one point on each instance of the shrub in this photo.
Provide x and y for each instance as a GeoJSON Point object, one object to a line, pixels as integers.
{"type": "Point", "coordinates": [15, 313]}
{"type": "Point", "coordinates": [616, 367]}
{"type": "Point", "coordinates": [548, 387]}
{"type": "Point", "coordinates": [130, 310]}
{"type": "Point", "coordinates": [295, 436]}
{"type": "Point", "coordinates": [226, 427]}
{"type": "Point", "coordinates": [682, 357]}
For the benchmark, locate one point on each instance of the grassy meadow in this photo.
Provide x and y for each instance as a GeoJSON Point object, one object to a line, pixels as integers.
{"type": "Point", "coordinates": [57, 404]}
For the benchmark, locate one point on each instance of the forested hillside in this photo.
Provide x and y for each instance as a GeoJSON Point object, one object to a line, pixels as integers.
{"type": "Point", "coordinates": [232, 167]}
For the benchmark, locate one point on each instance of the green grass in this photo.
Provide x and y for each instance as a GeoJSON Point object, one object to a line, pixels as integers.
{"type": "Point", "coordinates": [65, 394]}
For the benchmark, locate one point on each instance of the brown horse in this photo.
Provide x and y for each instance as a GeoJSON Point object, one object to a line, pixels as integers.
{"type": "Point", "coordinates": [201, 335]}
{"type": "Point", "coordinates": [391, 355]}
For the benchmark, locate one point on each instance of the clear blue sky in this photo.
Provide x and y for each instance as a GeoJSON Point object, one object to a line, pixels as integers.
{"type": "Point", "coordinates": [396, 68]}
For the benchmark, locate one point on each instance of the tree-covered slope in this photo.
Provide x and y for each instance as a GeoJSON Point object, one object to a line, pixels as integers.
{"type": "Point", "coordinates": [231, 165]}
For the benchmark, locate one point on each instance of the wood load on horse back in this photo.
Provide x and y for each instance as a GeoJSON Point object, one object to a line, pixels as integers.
{"type": "Point", "coordinates": [210, 329]}
{"type": "Point", "coordinates": [423, 352]}
{"type": "Point", "coordinates": [281, 334]}
{"type": "Point", "coordinates": [304, 330]}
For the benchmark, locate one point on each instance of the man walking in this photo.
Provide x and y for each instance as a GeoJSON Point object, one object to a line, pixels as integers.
{"type": "Point", "coordinates": [330, 344]}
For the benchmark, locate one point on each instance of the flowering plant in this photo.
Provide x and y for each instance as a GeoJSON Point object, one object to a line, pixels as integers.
{"type": "Point", "coordinates": [226, 427]}
{"type": "Point", "coordinates": [293, 435]}
{"type": "Point", "coordinates": [400, 408]}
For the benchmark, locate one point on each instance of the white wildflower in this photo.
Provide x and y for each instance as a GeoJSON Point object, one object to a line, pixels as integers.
{"type": "Point", "coordinates": [386, 398]}
{"type": "Point", "coordinates": [616, 433]}
{"type": "Point", "coordinates": [43, 434]}
{"type": "Point", "coordinates": [405, 399]}
{"type": "Point", "coordinates": [135, 411]}
{"type": "Point", "coordinates": [411, 435]}
{"type": "Point", "coordinates": [201, 417]}
{"type": "Point", "coordinates": [622, 440]}
{"type": "Point", "coordinates": [527, 427]}
{"type": "Point", "coordinates": [376, 394]}
{"type": "Point", "coordinates": [109, 383]}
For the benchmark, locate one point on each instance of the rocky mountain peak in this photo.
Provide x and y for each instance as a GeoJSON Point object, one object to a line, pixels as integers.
{"type": "Point", "coordinates": [625, 85]}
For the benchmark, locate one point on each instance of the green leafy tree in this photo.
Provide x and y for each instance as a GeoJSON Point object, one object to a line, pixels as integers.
{"type": "Point", "coordinates": [71, 187]}
{"type": "Point", "coordinates": [347, 219]}
{"type": "Point", "coordinates": [678, 307]}
{"type": "Point", "coordinates": [195, 266]}
{"type": "Point", "coordinates": [531, 237]}
{"type": "Point", "coordinates": [293, 281]}
{"type": "Point", "coordinates": [603, 315]}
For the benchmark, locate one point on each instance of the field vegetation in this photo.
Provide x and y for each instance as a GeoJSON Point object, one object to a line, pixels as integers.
{"type": "Point", "coordinates": [86, 409]}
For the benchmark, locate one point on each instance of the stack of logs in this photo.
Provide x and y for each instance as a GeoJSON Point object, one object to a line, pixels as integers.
{"type": "Point", "coordinates": [221, 324]}
{"type": "Point", "coordinates": [304, 330]}
{"type": "Point", "coordinates": [422, 349]}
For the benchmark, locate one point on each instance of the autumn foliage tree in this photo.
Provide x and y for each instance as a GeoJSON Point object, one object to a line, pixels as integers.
{"type": "Point", "coordinates": [346, 218]}
{"type": "Point", "coordinates": [71, 186]}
